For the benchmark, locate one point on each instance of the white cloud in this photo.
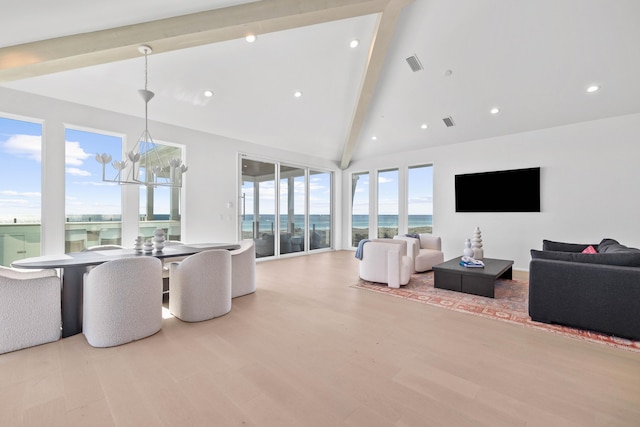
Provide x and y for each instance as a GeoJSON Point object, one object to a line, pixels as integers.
{"type": "Point", "coordinates": [77, 172]}
{"type": "Point", "coordinates": [95, 183]}
{"type": "Point", "coordinates": [74, 154]}
{"type": "Point", "coordinates": [14, 202]}
{"type": "Point", "coordinates": [21, 194]}
{"type": "Point", "coordinates": [29, 146]}
{"type": "Point", "coordinates": [421, 199]}
{"type": "Point", "coordinates": [383, 180]}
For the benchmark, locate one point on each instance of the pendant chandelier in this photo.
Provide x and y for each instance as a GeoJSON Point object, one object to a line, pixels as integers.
{"type": "Point", "coordinates": [147, 164]}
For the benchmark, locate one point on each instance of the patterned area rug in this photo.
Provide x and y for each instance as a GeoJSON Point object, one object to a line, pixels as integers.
{"type": "Point", "coordinates": [510, 304]}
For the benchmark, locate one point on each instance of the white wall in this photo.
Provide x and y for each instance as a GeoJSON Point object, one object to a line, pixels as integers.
{"type": "Point", "coordinates": [210, 183]}
{"type": "Point", "coordinates": [590, 173]}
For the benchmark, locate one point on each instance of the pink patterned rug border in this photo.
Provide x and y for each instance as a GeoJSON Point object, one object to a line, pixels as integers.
{"type": "Point", "coordinates": [510, 305]}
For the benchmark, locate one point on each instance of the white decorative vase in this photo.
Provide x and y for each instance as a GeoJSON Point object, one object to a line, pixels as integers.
{"type": "Point", "coordinates": [158, 239]}
{"type": "Point", "coordinates": [139, 244]}
{"type": "Point", "coordinates": [148, 246]}
{"type": "Point", "coordinates": [467, 248]}
{"type": "Point", "coordinates": [478, 252]}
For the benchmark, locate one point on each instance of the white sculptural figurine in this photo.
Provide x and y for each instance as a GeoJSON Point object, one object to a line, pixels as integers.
{"type": "Point", "coordinates": [467, 248]}
{"type": "Point", "coordinates": [478, 252]}
{"type": "Point", "coordinates": [158, 239]}
{"type": "Point", "coordinates": [139, 244]}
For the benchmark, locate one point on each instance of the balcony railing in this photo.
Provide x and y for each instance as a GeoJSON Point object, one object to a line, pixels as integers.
{"type": "Point", "coordinates": [18, 241]}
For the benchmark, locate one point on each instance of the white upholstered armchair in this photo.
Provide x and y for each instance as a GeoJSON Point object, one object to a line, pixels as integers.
{"type": "Point", "coordinates": [201, 286]}
{"type": "Point", "coordinates": [243, 269]}
{"type": "Point", "coordinates": [122, 301]}
{"type": "Point", "coordinates": [424, 252]}
{"type": "Point", "coordinates": [385, 261]}
{"type": "Point", "coordinates": [29, 308]}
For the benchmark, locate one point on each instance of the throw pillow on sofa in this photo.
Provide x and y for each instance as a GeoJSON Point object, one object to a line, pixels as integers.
{"type": "Point", "coordinates": [550, 245]}
{"type": "Point", "coordinates": [626, 259]}
{"type": "Point", "coordinates": [610, 246]}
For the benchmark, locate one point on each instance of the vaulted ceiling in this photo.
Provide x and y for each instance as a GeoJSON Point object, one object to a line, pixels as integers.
{"type": "Point", "coordinates": [533, 60]}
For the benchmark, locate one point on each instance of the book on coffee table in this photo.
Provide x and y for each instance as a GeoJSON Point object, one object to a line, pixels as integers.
{"type": "Point", "coordinates": [471, 263]}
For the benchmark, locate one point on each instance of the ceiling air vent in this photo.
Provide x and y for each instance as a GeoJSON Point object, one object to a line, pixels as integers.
{"type": "Point", "coordinates": [448, 121]}
{"type": "Point", "coordinates": [414, 63]}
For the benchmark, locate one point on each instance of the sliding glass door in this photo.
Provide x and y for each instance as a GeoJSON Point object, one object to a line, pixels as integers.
{"type": "Point", "coordinates": [295, 201]}
{"type": "Point", "coordinates": [258, 205]}
{"type": "Point", "coordinates": [292, 209]}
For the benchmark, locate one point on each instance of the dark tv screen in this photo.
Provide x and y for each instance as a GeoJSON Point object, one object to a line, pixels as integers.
{"type": "Point", "coordinates": [515, 190]}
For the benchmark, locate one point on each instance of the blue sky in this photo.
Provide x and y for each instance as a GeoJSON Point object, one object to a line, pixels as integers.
{"type": "Point", "coordinates": [20, 187]}
{"type": "Point", "coordinates": [420, 192]}
{"type": "Point", "coordinates": [319, 199]}
{"type": "Point", "coordinates": [85, 192]}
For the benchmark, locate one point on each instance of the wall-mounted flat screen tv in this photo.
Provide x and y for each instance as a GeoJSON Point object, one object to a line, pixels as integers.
{"type": "Point", "coordinates": [515, 190]}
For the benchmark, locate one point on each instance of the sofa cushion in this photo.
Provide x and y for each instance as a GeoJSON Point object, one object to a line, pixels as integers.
{"type": "Point", "coordinates": [627, 259]}
{"type": "Point", "coordinates": [550, 245]}
{"type": "Point", "coordinates": [610, 246]}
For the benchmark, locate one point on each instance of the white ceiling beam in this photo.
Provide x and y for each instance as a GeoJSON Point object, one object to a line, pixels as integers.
{"type": "Point", "coordinates": [377, 54]}
{"type": "Point", "coordinates": [116, 44]}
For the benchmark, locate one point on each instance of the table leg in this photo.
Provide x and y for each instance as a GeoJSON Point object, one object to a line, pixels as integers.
{"type": "Point", "coordinates": [72, 280]}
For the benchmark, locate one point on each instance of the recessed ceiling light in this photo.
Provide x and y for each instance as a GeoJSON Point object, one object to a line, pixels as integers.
{"type": "Point", "coordinates": [374, 138]}
{"type": "Point", "coordinates": [495, 110]}
{"type": "Point", "coordinates": [593, 88]}
{"type": "Point", "coordinates": [447, 73]}
{"type": "Point", "coordinates": [424, 126]}
{"type": "Point", "coordinates": [354, 43]}
{"type": "Point", "coordinates": [208, 93]}
{"type": "Point", "coordinates": [297, 94]}
{"type": "Point", "coordinates": [251, 38]}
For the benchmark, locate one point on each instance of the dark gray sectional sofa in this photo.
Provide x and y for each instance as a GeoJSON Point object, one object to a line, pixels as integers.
{"type": "Point", "coordinates": [598, 291]}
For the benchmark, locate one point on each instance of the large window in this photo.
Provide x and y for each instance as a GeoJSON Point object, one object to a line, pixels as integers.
{"type": "Point", "coordinates": [320, 197]}
{"type": "Point", "coordinates": [160, 206]}
{"type": "Point", "coordinates": [420, 199]}
{"type": "Point", "coordinates": [388, 198]}
{"type": "Point", "coordinates": [93, 208]}
{"type": "Point", "coordinates": [359, 207]}
{"type": "Point", "coordinates": [20, 189]}
{"type": "Point", "coordinates": [396, 211]}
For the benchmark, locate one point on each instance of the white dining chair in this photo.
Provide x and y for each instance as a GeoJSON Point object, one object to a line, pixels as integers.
{"type": "Point", "coordinates": [200, 286]}
{"type": "Point", "coordinates": [243, 269]}
{"type": "Point", "coordinates": [122, 301]}
{"type": "Point", "coordinates": [29, 308]}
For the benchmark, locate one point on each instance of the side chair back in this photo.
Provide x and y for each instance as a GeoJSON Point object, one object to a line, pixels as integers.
{"type": "Point", "coordinates": [122, 301]}
{"type": "Point", "coordinates": [243, 269]}
{"type": "Point", "coordinates": [29, 308]}
{"type": "Point", "coordinates": [200, 286]}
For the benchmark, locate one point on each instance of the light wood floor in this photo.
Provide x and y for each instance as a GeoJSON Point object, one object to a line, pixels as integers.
{"type": "Point", "coordinates": [308, 350]}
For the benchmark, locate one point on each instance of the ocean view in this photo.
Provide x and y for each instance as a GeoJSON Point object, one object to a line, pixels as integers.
{"type": "Point", "coordinates": [323, 222]}
{"type": "Point", "coordinates": [384, 221]}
